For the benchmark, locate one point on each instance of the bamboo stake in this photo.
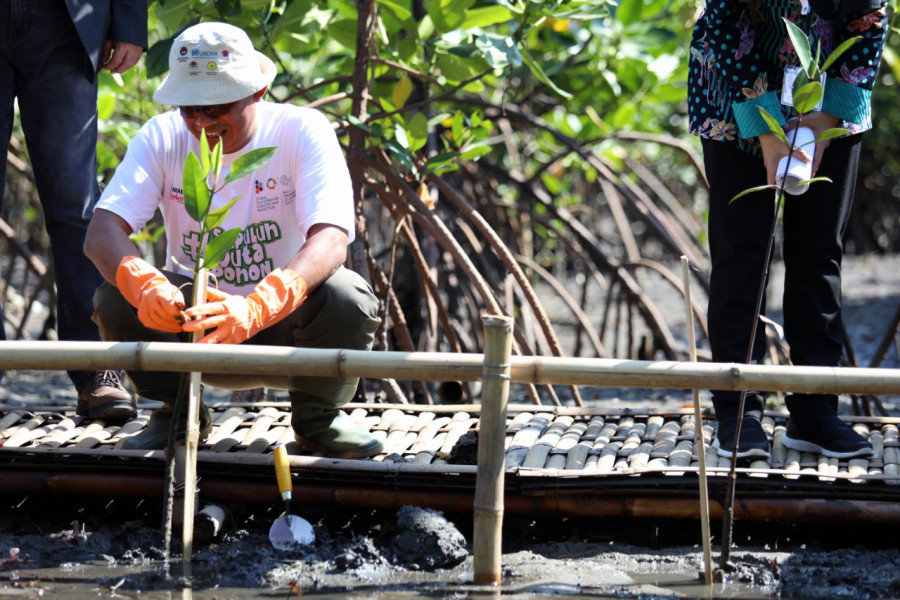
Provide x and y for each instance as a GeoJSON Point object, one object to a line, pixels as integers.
{"type": "Point", "coordinates": [192, 440]}
{"type": "Point", "coordinates": [698, 430]}
{"type": "Point", "coordinates": [437, 366]}
{"type": "Point", "coordinates": [489, 481]}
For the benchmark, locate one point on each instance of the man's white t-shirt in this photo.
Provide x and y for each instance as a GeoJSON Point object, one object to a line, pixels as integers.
{"type": "Point", "coordinates": [306, 182]}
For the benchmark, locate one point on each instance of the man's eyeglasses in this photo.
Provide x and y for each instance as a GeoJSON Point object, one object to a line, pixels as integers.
{"type": "Point", "coordinates": [212, 112]}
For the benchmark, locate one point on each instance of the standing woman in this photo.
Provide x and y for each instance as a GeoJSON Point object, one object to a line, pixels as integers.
{"type": "Point", "coordinates": [739, 52]}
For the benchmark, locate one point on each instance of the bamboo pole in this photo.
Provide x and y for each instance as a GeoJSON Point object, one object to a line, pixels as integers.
{"type": "Point", "coordinates": [192, 439]}
{"type": "Point", "coordinates": [698, 430]}
{"type": "Point", "coordinates": [625, 503]}
{"type": "Point", "coordinates": [436, 366]}
{"type": "Point", "coordinates": [489, 482]}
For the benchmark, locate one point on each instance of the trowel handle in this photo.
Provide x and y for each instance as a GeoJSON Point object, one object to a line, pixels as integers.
{"type": "Point", "coordinates": [282, 471]}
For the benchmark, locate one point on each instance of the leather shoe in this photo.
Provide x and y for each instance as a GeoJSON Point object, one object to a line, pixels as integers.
{"type": "Point", "coordinates": [103, 397]}
{"type": "Point", "coordinates": [155, 435]}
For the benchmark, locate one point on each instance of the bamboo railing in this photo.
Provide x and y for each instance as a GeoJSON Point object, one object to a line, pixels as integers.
{"type": "Point", "coordinates": [437, 366]}
{"type": "Point", "coordinates": [496, 366]}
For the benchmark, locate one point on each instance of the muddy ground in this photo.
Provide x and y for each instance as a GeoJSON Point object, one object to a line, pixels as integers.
{"type": "Point", "coordinates": [114, 549]}
{"type": "Point", "coordinates": [75, 548]}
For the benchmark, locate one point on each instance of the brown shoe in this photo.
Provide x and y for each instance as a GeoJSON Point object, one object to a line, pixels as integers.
{"type": "Point", "coordinates": [103, 397]}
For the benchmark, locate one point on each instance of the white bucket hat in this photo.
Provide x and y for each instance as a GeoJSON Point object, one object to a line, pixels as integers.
{"type": "Point", "coordinates": [213, 63]}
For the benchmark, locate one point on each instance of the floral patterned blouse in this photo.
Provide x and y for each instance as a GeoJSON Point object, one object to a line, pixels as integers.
{"type": "Point", "coordinates": [739, 51]}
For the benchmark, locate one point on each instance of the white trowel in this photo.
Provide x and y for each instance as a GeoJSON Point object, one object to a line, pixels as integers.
{"type": "Point", "coordinates": [288, 529]}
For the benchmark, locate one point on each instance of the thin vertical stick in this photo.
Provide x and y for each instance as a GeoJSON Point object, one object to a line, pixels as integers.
{"type": "Point", "coordinates": [192, 440]}
{"type": "Point", "coordinates": [489, 481]}
{"type": "Point", "coordinates": [698, 429]}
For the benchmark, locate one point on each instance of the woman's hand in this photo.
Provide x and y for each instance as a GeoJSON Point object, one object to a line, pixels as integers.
{"type": "Point", "coordinates": [818, 122]}
{"type": "Point", "coordinates": [773, 150]}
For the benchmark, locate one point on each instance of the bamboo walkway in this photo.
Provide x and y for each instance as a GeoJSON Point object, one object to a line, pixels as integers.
{"type": "Point", "coordinates": [560, 460]}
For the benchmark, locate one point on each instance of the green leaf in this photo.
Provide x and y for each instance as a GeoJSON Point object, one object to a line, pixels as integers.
{"type": "Point", "coordinates": [475, 150]}
{"type": "Point", "coordinates": [196, 194]}
{"type": "Point", "coordinates": [106, 107]}
{"type": "Point", "coordinates": [752, 190]}
{"type": "Point", "coordinates": [400, 11]}
{"type": "Point", "coordinates": [215, 217]}
{"type": "Point", "coordinates": [157, 61]}
{"type": "Point", "coordinates": [807, 97]}
{"type": "Point", "coordinates": [499, 50]}
{"type": "Point", "coordinates": [247, 163]}
{"type": "Point", "coordinates": [417, 131]}
{"type": "Point", "coordinates": [836, 53]}
{"type": "Point", "coordinates": [830, 134]}
{"type": "Point", "coordinates": [774, 126]}
{"type": "Point", "coordinates": [219, 246]}
{"type": "Point", "coordinates": [439, 163]}
{"type": "Point", "coordinates": [204, 152]}
{"type": "Point", "coordinates": [486, 16]}
{"type": "Point", "coordinates": [629, 12]}
{"type": "Point", "coordinates": [402, 155]}
{"type": "Point", "coordinates": [401, 91]}
{"type": "Point", "coordinates": [538, 72]}
{"type": "Point", "coordinates": [801, 47]}
{"type": "Point", "coordinates": [217, 162]}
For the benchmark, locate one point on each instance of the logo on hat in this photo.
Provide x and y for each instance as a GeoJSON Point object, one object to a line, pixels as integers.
{"type": "Point", "coordinates": [226, 54]}
{"type": "Point", "coordinates": [183, 51]}
{"type": "Point", "coordinates": [211, 66]}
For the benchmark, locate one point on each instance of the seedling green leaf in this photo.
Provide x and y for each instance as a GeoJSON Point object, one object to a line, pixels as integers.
{"type": "Point", "coordinates": [752, 190]}
{"type": "Point", "coordinates": [830, 134]}
{"type": "Point", "coordinates": [196, 193]}
{"type": "Point", "coordinates": [247, 163]}
{"type": "Point", "coordinates": [837, 52]}
{"type": "Point", "coordinates": [774, 126]}
{"type": "Point", "coordinates": [801, 47]}
{"type": "Point", "coordinates": [215, 217]}
{"type": "Point", "coordinates": [807, 97]}
{"type": "Point", "coordinates": [218, 247]}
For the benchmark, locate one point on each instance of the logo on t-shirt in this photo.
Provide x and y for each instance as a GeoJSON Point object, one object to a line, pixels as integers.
{"type": "Point", "coordinates": [248, 261]}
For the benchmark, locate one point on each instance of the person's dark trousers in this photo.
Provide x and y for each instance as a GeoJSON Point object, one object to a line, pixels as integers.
{"type": "Point", "coordinates": [44, 65]}
{"type": "Point", "coordinates": [340, 313]}
{"type": "Point", "coordinates": [813, 228]}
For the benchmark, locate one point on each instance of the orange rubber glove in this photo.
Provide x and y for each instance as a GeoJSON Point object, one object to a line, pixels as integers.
{"type": "Point", "coordinates": [158, 302]}
{"type": "Point", "coordinates": [236, 319]}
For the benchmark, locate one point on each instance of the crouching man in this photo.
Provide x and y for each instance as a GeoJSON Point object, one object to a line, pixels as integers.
{"type": "Point", "coordinates": [282, 284]}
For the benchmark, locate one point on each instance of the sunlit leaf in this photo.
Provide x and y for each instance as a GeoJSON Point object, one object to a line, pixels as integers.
{"type": "Point", "coordinates": [486, 16]}
{"type": "Point", "coordinates": [801, 48]}
{"type": "Point", "coordinates": [538, 72]}
{"type": "Point", "coordinates": [499, 51]}
{"type": "Point", "coordinates": [830, 134]}
{"type": "Point", "coordinates": [475, 150]}
{"type": "Point", "coordinates": [807, 97]}
{"type": "Point", "coordinates": [629, 12]}
{"type": "Point", "coordinates": [402, 91]}
{"type": "Point", "coordinates": [196, 194]}
{"type": "Point", "coordinates": [752, 190]}
{"type": "Point", "coordinates": [774, 126]}
{"type": "Point", "coordinates": [204, 153]}
{"type": "Point", "coordinates": [417, 131]}
{"type": "Point", "coordinates": [215, 217]}
{"type": "Point", "coordinates": [219, 246]}
{"type": "Point", "coordinates": [837, 52]}
{"type": "Point", "coordinates": [249, 162]}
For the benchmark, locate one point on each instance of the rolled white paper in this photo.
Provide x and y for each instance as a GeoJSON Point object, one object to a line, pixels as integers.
{"type": "Point", "coordinates": [799, 171]}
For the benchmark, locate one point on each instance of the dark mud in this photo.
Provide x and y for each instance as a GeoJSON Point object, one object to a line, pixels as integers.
{"type": "Point", "coordinates": [53, 547]}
